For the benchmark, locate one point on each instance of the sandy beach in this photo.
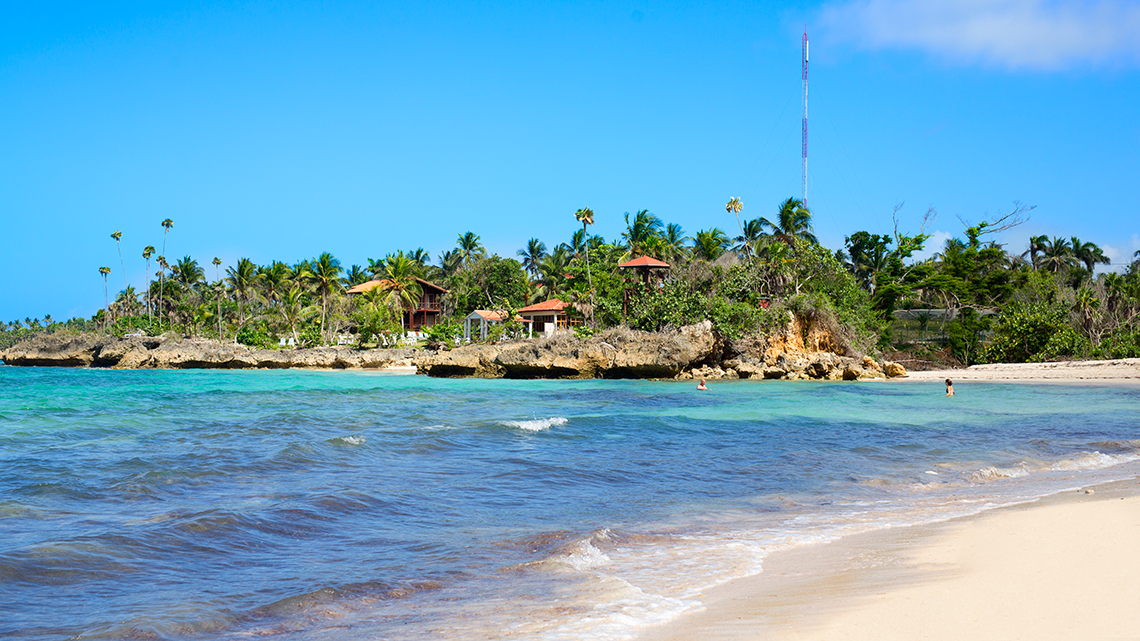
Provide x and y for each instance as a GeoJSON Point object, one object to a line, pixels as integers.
{"type": "Point", "coordinates": [1064, 567]}
{"type": "Point", "coordinates": [1123, 371]}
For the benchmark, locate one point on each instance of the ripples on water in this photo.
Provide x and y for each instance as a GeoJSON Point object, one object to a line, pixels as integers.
{"type": "Point", "coordinates": [338, 505]}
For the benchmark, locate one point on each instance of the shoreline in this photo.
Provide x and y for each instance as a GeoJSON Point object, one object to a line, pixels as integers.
{"type": "Point", "coordinates": [1115, 371]}
{"type": "Point", "coordinates": [1060, 567]}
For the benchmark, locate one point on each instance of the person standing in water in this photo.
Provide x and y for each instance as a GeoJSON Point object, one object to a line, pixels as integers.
{"type": "Point", "coordinates": [702, 385]}
{"type": "Point", "coordinates": [949, 387]}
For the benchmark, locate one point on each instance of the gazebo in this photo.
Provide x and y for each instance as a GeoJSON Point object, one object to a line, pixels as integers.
{"type": "Point", "coordinates": [647, 270]}
{"type": "Point", "coordinates": [482, 318]}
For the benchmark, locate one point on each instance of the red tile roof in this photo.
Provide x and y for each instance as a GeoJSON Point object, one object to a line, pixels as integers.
{"type": "Point", "coordinates": [372, 284]}
{"type": "Point", "coordinates": [644, 261]}
{"type": "Point", "coordinates": [552, 305]}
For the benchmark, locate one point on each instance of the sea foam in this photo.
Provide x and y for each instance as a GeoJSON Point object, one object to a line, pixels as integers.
{"type": "Point", "coordinates": [537, 424]}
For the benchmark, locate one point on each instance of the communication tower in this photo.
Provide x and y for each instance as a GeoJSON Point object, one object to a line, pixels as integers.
{"type": "Point", "coordinates": [803, 164]}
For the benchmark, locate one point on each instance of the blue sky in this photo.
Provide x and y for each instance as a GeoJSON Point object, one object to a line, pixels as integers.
{"type": "Point", "coordinates": [282, 130]}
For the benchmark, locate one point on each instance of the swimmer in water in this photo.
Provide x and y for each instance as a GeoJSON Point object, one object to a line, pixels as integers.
{"type": "Point", "coordinates": [702, 385]}
{"type": "Point", "coordinates": [949, 387]}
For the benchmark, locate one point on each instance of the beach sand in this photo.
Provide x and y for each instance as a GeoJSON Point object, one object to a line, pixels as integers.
{"type": "Point", "coordinates": [1123, 371]}
{"type": "Point", "coordinates": [1066, 567]}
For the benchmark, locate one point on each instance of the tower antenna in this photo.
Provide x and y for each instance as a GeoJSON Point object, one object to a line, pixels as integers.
{"type": "Point", "coordinates": [803, 166]}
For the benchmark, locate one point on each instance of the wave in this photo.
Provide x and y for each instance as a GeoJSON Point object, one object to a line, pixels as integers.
{"type": "Point", "coordinates": [1127, 452]}
{"type": "Point", "coordinates": [537, 424]}
{"type": "Point", "coordinates": [348, 440]}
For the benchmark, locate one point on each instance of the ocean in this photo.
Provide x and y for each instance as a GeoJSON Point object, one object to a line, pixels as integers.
{"type": "Point", "coordinates": [324, 505]}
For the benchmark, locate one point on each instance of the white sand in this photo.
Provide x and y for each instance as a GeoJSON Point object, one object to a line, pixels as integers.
{"type": "Point", "coordinates": [1067, 568]}
{"type": "Point", "coordinates": [1125, 370]}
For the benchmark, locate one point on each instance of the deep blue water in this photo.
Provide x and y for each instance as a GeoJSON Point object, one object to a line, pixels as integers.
{"type": "Point", "coordinates": [346, 505]}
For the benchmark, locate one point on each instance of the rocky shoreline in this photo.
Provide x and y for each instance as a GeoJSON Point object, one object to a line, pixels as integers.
{"type": "Point", "coordinates": [690, 352]}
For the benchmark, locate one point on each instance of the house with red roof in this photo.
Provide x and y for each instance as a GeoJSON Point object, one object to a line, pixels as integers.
{"type": "Point", "coordinates": [423, 313]}
{"type": "Point", "coordinates": [549, 316]}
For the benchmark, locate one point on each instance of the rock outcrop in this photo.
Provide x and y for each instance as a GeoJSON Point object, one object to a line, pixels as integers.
{"type": "Point", "coordinates": [160, 353]}
{"type": "Point", "coordinates": [695, 351]}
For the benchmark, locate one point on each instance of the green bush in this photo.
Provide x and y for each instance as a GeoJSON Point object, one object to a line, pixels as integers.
{"type": "Point", "coordinates": [257, 335]}
{"type": "Point", "coordinates": [1031, 332]}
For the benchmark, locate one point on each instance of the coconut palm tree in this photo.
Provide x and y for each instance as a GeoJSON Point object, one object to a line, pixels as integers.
{"type": "Point", "coordinates": [553, 270]}
{"type": "Point", "coordinates": [420, 257]}
{"type": "Point", "coordinates": [242, 277]}
{"type": "Point", "coordinates": [793, 220]}
{"type": "Point", "coordinates": [1036, 246]}
{"type": "Point", "coordinates": [294, 310]}
{"type": "Point", "coordinates": [403, 290]}
{"type": "Point", "coordinates": [470, 248]}
{"type": "Point", "coordinates": [1057, 254]}
{"type": "Point", "coordinates": [357, 275]}
{"type": "Point", "coordinates": [585, 216]}
{"type": "Point", "coordinates": [189, 272]}
{"type": "Point", "coordinates": [148, 251]}
{"type": "Point", "coordinates": [104, 271]}
{"type": "Point", "coordinates": [324, 275]}
{"type": "Point", "coordinates": [673, 242]}
{"type": "Point", "coordinates": [117, 235]}
{"type": "Point", "coordinates": [709, 244]}
{"type": "Point", "coordinates": [217, 273]}
{"type": "Point", "coordinates": [750, 232]}
{"type": "Point", "coordinates": [450, 262]}
{"type": "Point", "coordinates": [733, 206]}
{"type": "Point", "coordinates": [638, 232]}
{"type": "Point", "coordinates": [531, 255]}
{"type": "Point", "coordinates": [1089, 253]}
{"type": "Point", "coordinates": [166, 225]}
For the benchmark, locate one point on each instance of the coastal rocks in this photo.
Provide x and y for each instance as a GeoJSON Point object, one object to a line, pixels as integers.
{"type": "Point", "coordinates": [893, 370]}
{"type": "Point", "coordinates": [160, 353]}
{"type": "Point", "coordinates": [616, 353]}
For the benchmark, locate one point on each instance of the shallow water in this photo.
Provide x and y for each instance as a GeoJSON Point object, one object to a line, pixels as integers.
{"type": "Point", "coordinates": [346, 505]}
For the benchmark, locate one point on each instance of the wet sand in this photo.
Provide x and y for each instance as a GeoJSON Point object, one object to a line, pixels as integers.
{"type": "Point", "coordinates": [1066, 567]}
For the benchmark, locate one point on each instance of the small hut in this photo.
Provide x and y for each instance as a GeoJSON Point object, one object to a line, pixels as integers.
{"type": "Point", "coordinates": [646, 270]}
{"type": "Point", "coordinates": [482, 319]}
{"type": "Point", "coordinates": [548, 316]}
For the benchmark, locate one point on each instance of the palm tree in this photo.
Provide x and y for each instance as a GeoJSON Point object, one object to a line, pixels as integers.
{"type": "Point", "coordinates": [404, 291]}
{"type": "Point", "coordinates": [189, 272]}
{"type": "Point", "coordinates": [1036, 246]}
{"type": "Point", "coordinates": [324, 275]}
{"type": "Point", "coordinates": [217, 273]}
{"type": "Point", "coordinates": [450, 261]}
{"type": "Point", "coordinates": [553, 269]}
{"type": "Point", "coordinates": [1089, 253]}
{"type": "Point", "coordinates": [793, 220]}
{"type": "Point", "coordinates": [637, 233]}
{"type": "Point", "coordinates": [532, 254]}
{"type": "Point", "coordinates": [420, 257]}
{"type": "Point", "coordinates": [148, 251]}
{"type": "Point", "coordinates": [357, 275]}
{"type": "Point", "coordinates": [293, 310]}
{"type": "Point", "coordinates": [166, 225]}
{"type": "Point", "coordinates": [1057, 254]}
{"type": "Point", "coordinates": [469, 247]}
{"type": "Point", "coordinates": [750, 232]}
{"type": "Point", "coordinates": [104, 271]}
{"type": "Point", "coordinates": [672, 242]}
{"type": "Point", "coordinates": [117, 236]}
{"type": "Point", "coordinates": [585, 216]}
{"type": "Point", "coordinates": [733, 206]}
{"type": "Point", "coordinates": [709, 244]}
{"type": "Point", "coordinates": [242, 277]}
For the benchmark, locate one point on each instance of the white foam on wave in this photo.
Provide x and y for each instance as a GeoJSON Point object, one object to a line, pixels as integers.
{"type": "Point", "coordinates": [537, 424]}
{"type": "Point", "coordinates": [350, 440]}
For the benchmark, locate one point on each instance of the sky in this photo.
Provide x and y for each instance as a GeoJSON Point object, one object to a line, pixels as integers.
{"type": "Point", "coordinates": [279, 130]}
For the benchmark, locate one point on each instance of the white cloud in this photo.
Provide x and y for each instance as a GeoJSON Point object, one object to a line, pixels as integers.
{"type": "Point", "coordinates": [1016, 34]}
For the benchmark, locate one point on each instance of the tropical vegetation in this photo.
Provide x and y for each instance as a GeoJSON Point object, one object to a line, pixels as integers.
{"type": "Point", "coordinates": [974, 300]}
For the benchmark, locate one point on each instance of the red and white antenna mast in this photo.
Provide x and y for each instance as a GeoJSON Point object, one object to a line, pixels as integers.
{"type": "Point", "coordinates": [803, 168]}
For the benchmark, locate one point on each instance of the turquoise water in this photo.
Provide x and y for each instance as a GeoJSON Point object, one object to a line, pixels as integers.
{"type": "Point", "coordinates": [342, 505]}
